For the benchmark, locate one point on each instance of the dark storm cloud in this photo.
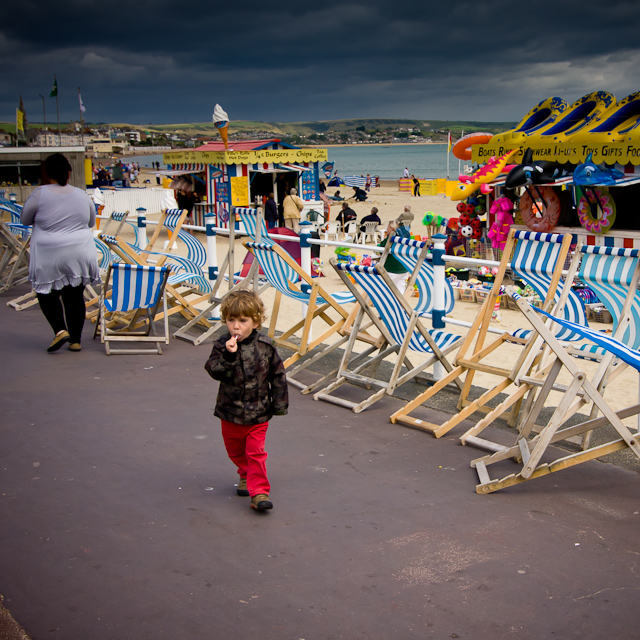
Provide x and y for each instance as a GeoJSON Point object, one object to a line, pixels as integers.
{"type": "Point", "coordinates": [274, 61]}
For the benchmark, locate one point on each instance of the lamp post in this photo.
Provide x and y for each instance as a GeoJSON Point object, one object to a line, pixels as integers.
{"type": "Point", "coordinates": [44, 122]}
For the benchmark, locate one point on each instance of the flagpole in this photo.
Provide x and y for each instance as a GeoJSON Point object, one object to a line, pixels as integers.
{"type": "Point", "coordinates": [44, 121]}
{"type": "Point", "coordinates": [58, 112]}
{"type": "Point", "coordinates": [460, 161]}
{"type": "Point", "coordinates": [448, 145]}
{"type": "Point", "coordinates": [81, 116]}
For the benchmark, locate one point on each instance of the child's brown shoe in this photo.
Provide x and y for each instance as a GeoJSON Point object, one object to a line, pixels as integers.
{"type": "Point", "coordinates": [241, 489]}
{"type": "Point", "coordinates": [261, 502]}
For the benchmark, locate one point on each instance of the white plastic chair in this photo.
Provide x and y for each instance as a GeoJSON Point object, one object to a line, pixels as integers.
{"type": "Point", "coordinates": [370, 232]}
{"type": "Point", "coordinates": [332, 232]}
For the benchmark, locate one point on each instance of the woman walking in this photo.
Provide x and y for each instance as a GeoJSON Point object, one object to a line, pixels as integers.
{"type": "Point", "coordinates": [63, 253]}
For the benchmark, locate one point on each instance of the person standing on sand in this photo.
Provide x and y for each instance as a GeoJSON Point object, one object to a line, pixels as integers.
{"type": "Point", "coordinates": [405, 173]}
{"type": "Point", "coordinates": [416, 185]}
{"type": "Point", "coordinates": [292, 207]}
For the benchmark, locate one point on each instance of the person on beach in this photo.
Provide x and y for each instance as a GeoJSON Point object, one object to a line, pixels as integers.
{"type": "Point", "coordinates": [253, 388]}
{"type": "Point", "coordinates": [291, 208]}
{"type": "Point", "coordinates": [347, 214]}
{"type": "Point", "coordinates": [416, 185]}
{"type": "Point", "coordinates": [405, 173]}
{"type": "Point", "coordinates": [322, 186]}
{"type": "Point", "coordinates": [404, 221]}
{"type": "Point", "coordinates": [63, 253]}
{"type": "Point", "coordinates": [393, 267]}
{"type": "Point", "coordinates": [359, 194]}
{"type": "Point", "coordinates": [372, 217]}
{"type": "Point", "coordinates": [271, 212]}
{"type": "Point", "coordinates": [367, 184]}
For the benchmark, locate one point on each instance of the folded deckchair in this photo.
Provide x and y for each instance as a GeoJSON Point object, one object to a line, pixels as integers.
{"type": "Point", "coordinates": [402, 332]}
{"type": "Point", "coordinates": [134, 290]}
{"type": "Point", "coordinates": [538, 259]}
{"type": "Point", "coordinates": [528, 454]}
{"type": "Point", "coordinates": [14, 255]}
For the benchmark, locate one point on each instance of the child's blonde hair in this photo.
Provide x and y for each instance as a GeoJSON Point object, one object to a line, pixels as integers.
{"type": "Point", "coordinates": [245, 304]}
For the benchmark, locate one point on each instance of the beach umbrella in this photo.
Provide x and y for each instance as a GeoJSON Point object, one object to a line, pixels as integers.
{"type": "Point", "coordinates": [221, 121]}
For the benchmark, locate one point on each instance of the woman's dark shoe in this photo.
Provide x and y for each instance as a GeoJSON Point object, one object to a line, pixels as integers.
{"type": "Point", "coordinates": [58, 341]}
{"type": "Point", "coordinates": [75, 346]}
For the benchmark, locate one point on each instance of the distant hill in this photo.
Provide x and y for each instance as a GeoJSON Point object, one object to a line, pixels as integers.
{"type": "Point", "coordinates": [285, 129]}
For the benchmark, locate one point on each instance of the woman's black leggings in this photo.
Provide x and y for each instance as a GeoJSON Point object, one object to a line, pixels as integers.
{"type": "Point", "coordinates": [71, 307]}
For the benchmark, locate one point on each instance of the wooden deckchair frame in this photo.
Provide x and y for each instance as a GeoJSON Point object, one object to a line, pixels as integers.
{"type": "Point", "coordinates": [353, 366]}
{"type": "Point", "coordinates": [473, 351]}
{"type": "Point", "coordinates": [14, 258]}
{"type": "Point", "coordinates": [579, 393]}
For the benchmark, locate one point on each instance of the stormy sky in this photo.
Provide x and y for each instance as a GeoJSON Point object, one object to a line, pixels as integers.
{"type": "Point", "coordinates": [155, 61]}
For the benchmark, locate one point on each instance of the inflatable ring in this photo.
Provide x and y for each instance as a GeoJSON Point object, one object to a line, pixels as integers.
{"type": "Point", "coordinates": [536, 216]}
{"type": "Point", "coordinates": [462, 148]}
{"type": "Point", "coordinates": [606, 206]}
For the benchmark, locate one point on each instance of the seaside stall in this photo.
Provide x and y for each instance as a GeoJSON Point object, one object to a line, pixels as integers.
{"type": "Point", "coordinates": [245, 175]}
{"type": "Point", "coordinates": [563, 168]}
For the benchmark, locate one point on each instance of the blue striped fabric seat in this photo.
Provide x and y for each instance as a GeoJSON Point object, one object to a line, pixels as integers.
{"type": "Point", "coordinates": [195, 249]}
{"type": "Point", "coordinates": [249, 218]}
{"type": "Point", "coordinates": [136, 291]}
{"type": "Point", "coordinates": [609, 272]}
{"type": "Point", "coordinates": [135, 287]}
{"type": "Point", "coordinates": [616, 347]}
{"type": "Point", "coordinates": [280, 275]}
{"type": "Point", "coordinates": [392, 313]}
{"type": "Point", "coordinates": [407, 252]}
{"type": "Point", "coordinates": [535, 260]}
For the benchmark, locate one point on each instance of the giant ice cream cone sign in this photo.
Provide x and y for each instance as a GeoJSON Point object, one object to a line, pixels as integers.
{"type": "Point", "coordinates": [221, 121]}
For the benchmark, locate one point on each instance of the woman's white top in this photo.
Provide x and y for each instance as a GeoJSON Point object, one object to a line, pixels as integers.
{"type": "Point", "coordinates": [63, 251]}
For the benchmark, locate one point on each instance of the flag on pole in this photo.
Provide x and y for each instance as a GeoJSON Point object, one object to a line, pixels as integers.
{"type": "Point", "coordinates": [449, 143]}
{"type": "Point", "coordinates": [82, 109]}
{"type": "Point", "coordinates": [19, 123]}
{"type": "Point", "coordinates": [54, 89]}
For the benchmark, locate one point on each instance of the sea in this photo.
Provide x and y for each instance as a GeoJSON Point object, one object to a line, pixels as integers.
{"type": "Point", "coordinates": [387, 162]}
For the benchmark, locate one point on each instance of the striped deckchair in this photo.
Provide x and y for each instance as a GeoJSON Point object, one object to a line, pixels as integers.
{"type": "Point", "coordinates": [541, 256]}
{"type": "Point", "coordinates": [613, 273]}
{"type": "Point", "coordinates": [171, 221]}
{"type": "Point", "coordinates": [288, 279]}
{"type": "Point", "coordinates": [401, 329]}
{"type": "Point", "coordinates": [249, 218]}
{"type": "Point", "coordinates": [14, 256]}
{"type": "Point", "coordinates": [582, 390]}
{"type": "Point", "coordinates": [135, 290]}
{"type": "Point", "coordinates": [184, 273]}
{"type": "Point", "coordinates": [412, 254]}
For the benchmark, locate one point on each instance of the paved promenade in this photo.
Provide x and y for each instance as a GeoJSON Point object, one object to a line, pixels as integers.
{"type": "Point", "coordinates": [119, 520]}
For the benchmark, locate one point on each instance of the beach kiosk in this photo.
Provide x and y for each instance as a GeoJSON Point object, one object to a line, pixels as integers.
{"type": "Point", "coordinates": [244, 175]}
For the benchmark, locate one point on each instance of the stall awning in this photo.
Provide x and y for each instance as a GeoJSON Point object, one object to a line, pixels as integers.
{"type": "Point", "coordinates": [215, 173]}
{"type": "Point", "coordinates": [294, 167]}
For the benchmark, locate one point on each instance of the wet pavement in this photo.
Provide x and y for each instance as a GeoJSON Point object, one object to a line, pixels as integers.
{"type": "Point", "coordinates": [119, 519]}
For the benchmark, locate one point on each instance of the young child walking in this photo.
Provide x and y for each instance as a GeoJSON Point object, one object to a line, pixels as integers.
{"type": "Point", "coordinates": [253, 388]}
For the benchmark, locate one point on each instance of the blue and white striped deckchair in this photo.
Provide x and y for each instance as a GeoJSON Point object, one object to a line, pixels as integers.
{"type": "Point", "coordinates": [612, 273]}
{"type": "Point", "coordinates": [401, 330]}
{"type": "Point", "coordinates": [171, 221]}
{"type": "Point", "coordinates": [183, 273]}
{"type": "Point", "coordinates": [138, 289]}
{"type": "Point", "coordinates": [249, 218]}
{"type": "Point", "coordinates": [581, 391]}
{"type": "Point", "coordinates": [288, 279]}
{"type": "Point", "coordinates": [541, 256]}
{"type": "Point", "coordinates": [535, 261]}
{"type": "Point", "coordinates": [410, 253]}
{"type": "Point", "coordinates": [14, 256]}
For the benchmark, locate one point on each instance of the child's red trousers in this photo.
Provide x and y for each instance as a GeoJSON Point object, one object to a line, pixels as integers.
{"type": "Point", "coordinates": [245, 447]}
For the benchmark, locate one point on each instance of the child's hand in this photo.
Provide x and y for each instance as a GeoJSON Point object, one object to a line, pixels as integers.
{"type": "Point", "coordinates": [232, 344]}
